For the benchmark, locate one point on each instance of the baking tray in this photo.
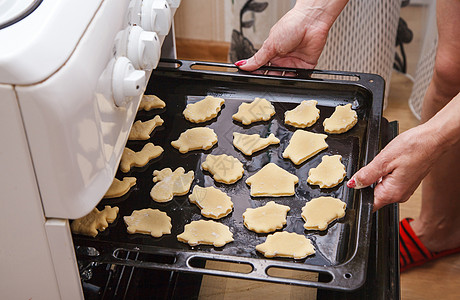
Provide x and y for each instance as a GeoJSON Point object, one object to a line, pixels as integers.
{"type": "Point", "coordinates": [341, 250]}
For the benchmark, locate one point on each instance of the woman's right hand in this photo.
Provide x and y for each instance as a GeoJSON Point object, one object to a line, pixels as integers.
{"type": "Point", "coordinates": [298, 38]}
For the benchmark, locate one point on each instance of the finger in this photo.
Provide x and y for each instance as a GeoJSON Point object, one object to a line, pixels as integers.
{"type": "Point", "coordinates": [259, 59]}
{"type": "Point", "coordinates": [369, 174]}
{"type": "Point", "coordinates": [379, 198]}
{"type": "Point", "coordinates": [389, 190]}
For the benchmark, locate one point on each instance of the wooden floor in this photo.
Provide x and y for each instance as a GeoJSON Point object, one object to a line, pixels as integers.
{"type": "Point", "coordinates": [436, 280]}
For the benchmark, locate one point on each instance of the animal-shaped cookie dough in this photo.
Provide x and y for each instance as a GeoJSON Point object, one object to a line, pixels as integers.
{"type": "Point", "coordinates": [120, 187]}
{"type": "Point", "coordinates": [141, 130]}
{"type": "Point", "coordinates": [318, 213]}
{"type": "Point", "coordinates": [170, 184]}
{"type": "Point", "coordinates": [342, 120]}
{"type": "Point", "coordinates": [148, 221]}
{"type": "Point", "coordinates": [207, 233]}
{"type": "Point", "coordinates": [258, 110]}
{"type": "Point", "coordinates": [267, 218]}
{"type": "Point", "coordinates": [213, 202]}
{"type": "Point", "coordinates": [131, 158]}
{"type": "Point", "coordinates": [329, 173]}
{"type": "Point", "coordinates": [272, 181]}
{"type": "Point", "coordinates": [286, 244]}
{"type": "Point", "coordinates": [250, 143]}
{"type": "Point", "coordinates": [194, 139]}
{"type": "Point", "coordinates": [203, 110]}
{"type": "Point", "coordinates": [304, 115]}
{"type": "Point", "coordinates": [224, 168]}
{"type": "Point", "coordinates": [94, 221]}
{"type": "Point", "coordinates": [149, 102]}
{"type": "Point", "coordinates": [303, 145]}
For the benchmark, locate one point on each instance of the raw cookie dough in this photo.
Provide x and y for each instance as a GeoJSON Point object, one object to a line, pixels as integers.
{"type": "Point", "coordinates": [139, 159]}
{"type": "Point", "coordinates": [94, 221]}
{"type": "Point", "coordinates": [206, 232]}
{"type": "Point", "coordinates": [250, 143]}
{"type": "Point", "coordinates": [303, 145]}
{"type": "Point", "coordinates": [203, 110]}
{"type": "Point", "coordinates": [267, 218]}
{"type": "Point", "coordinates": [258, 110]}
{"type": "Point", "coordinates": [195, 138]}
{"type": "Point", "coordinates": [224, 168]}
{"type": "Point", "coordinates": [213, 202]}
{"type": "Point", "coordinates": [170, 184]}
{"type": "Point", "coordinates": [318, 213]}
{"type": "Point", "coordinates": [272, 181]}
{"type": "Point", "coordinates": [142, 130]}
{"type": "Point", "coordinates": [329, 173]}
{"type": "Point", "coordinates": [304, 115]}
{"type": "Point", "coordinates": [120, 187]}
{"type": "Point", "coordinates": [148, 221]}
{"type": "Point", "coordinates": [149, 102]}
{"type": "Point", "coordinates": [342, 120]}
{"type": "Point", "coordinates": [286, 244]}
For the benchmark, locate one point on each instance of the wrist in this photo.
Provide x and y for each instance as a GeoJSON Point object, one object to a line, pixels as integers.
{"type": "Point", "coordinates": [445, 125]}
{"type": "Point", "coordinates": [325, 11]}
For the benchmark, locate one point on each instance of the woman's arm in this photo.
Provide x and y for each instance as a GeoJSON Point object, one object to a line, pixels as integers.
{"type": "Point", "coordinates": [298, 38]}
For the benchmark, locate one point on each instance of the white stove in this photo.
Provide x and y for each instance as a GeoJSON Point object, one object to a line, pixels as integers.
{"type": "Point", "coordinates": [71, 77]}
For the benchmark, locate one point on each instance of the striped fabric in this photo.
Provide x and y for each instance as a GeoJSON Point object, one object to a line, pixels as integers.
{"type": "Point", "coordinates": [412, 252]}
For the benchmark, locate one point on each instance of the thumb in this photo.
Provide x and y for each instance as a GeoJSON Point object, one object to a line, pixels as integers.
{"type": "Point", "coordinates": [259, 59]}
{"type": "Point", "coordinates": [369, 174]}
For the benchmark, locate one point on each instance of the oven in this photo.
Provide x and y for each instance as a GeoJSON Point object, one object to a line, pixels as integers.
{"type": "Point", "coordinates": [71, 79]}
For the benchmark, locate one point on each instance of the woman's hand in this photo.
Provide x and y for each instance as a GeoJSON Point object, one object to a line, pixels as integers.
{"type": "Point", "coordinates": [400, 167]}
{"type": "Point", "coordinates": [298, 38]}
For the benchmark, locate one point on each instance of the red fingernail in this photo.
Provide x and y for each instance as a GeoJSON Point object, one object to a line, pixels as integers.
{"type": "Point", "coordinates": [351, 183]}
{"type": "Point", "coordinates": [241, 63]}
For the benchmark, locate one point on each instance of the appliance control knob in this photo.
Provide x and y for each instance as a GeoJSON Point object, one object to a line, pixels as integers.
{"type": "Point", "coordinates": [173, 3]}
{"type": "Point", "coordinates": [144, 48]}
{"type": "Point", "coordinates": [127, 82]}
{"type": "Point", "coordinates": [156, 16]}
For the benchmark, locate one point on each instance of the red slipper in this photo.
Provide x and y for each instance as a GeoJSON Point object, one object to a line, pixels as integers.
{"type": "Point", "coordinates": [412, 252]}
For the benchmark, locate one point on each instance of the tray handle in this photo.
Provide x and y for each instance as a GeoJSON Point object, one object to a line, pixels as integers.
{"type": "Point", "coordinates": [191, 262]}
{"type": "Point", "coordinates": [264, 71]}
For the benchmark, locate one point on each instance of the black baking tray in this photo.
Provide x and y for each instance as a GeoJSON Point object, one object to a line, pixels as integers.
{"type": "Point", "coordinates": [341, 251]}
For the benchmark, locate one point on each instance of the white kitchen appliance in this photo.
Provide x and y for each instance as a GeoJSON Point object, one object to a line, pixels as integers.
{"type": "Point", "coordinates": [71, 77]}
